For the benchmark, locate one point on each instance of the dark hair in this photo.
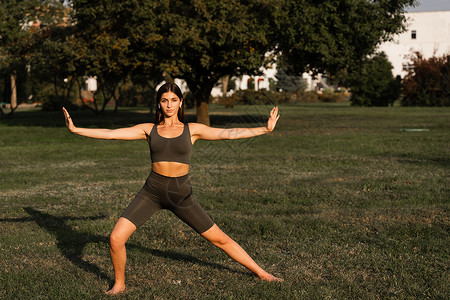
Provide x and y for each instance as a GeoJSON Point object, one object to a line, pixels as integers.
{"type": "Point", "coordinates": [168, 87]}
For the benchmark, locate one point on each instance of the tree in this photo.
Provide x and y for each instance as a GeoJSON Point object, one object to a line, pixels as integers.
{"type": "Point", "coordinates": [206, 40]}
{"type": "Point", "coordinates": [374, 84]}
{"type": "Point", "coordinates": [19, 19]}
{"type": "Point", "coordinates": [329, 35]}
{"type": "Point", "coordinates": [54, 60]}
{"type": "Point", "coordinates": [119, 39]}
{"type": "Point", "coordinates": [105, 45]}
{"type": "Point", "coordinates": [144, 37]}
{"type": "Point", "coordinates": [428, 82]}
{"type": "Point", "coordinates": [199, 41]}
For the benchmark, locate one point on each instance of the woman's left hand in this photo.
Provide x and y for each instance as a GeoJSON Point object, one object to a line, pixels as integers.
{"type": "Point", "coordinates": [69, 122]}
{"type": "Point", "coordinates": [274, 116]}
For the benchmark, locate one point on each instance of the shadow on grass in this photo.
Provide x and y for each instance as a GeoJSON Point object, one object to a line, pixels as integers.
{"type": "Point", "coordinates": [437, 161]}
{"type": "Point", "coordinates": [69, 241]}
{"type": "Point", "coordinates": [81, 118]}
{"type": "Point", "coordinates": [124, 118]}
{"type": "Point", "coordinates": [121, 118]}
{"type": "Point", "coordinates": [72, 242]}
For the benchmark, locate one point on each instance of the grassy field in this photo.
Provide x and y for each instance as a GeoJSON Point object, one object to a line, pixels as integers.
{"type": "Point", "coordinates": [338, 200]}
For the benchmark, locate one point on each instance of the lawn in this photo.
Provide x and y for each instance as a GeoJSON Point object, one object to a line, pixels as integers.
{"type": "Point", "coordinates": [339, 201]}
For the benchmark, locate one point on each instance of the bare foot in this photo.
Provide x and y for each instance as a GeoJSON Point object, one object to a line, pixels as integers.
{"type": "Point", "coordinates": [116, 290]}
{"type": "Point", "coordinates": [271, 278]}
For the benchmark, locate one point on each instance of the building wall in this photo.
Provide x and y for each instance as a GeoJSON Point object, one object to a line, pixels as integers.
{"type": "Point", "coordinates": [432, 37]}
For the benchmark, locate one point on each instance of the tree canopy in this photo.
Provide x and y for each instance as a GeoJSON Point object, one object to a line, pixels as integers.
{"type": "Point", "coordinates": [206, 40]}
{"type": "Point", "coordinates": [19, 20]}
{"type": "Point", "coordinates": [202, 41]}
{"type": "Point", "coordinates": [329, 35]}
{"type": "Point", "coordinates": [374, 84]}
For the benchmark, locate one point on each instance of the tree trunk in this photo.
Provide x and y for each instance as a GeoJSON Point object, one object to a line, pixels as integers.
{"type": "Point", "coordinates": [225, 84]}
{"type": "Point", "coordinates": [108, 93]}
{"type": "Point", "coordinates": [201, 89]}
{"type": "Point", "coordinates": [203, 113]}
{"type": "Point", "coordinates": [68, 89]}
{"type": "Point", "coordinates": [201, 99]}
{"type": "Point", "coordinates": [13, 91]}
{"type": "Point", "coordinates": [117, 99]}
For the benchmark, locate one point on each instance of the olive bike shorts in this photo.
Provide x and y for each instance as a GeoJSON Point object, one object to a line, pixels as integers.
{"type": "Point", "coordinates": [172, 193]}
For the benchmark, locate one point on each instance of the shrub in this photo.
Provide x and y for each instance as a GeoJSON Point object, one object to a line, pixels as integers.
{"type": "Point", "coordinates": [332, 96]}
{"type": "Point", "coordinates": [373, 84]}
{"type": "Point", "coordinates": [428, 83]}
{"type": "Point", "coordinates": [251, 97]}
{"type": "Point", "coordinates": [55, 103]}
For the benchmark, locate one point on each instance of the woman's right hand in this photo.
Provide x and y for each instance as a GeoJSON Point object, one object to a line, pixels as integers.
{"type": "Point", "coordinates": [69, 122]}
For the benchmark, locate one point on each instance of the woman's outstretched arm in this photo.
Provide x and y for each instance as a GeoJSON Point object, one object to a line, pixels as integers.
{"type": "Point", "coordinates": [200, 131]}
{"type": "Point", "coordinates": [137, 132]}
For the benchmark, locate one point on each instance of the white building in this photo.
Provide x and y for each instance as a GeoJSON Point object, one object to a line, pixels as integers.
{"type": "Point", "coordinates": [427, 32]}
{"type": "Point", "coordinates": [263, 82]}
{"type": "Point", "coordinates": [259, 82]}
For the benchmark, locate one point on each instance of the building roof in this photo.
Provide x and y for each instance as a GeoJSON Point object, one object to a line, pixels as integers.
{"type": "Point", "coordinates": [430, 5]}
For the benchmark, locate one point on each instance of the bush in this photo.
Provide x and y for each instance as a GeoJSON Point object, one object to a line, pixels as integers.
{"type": "Point", "coordinates": [55, 103]}
{"type": "Point", "coordinates": [307, 97]}
{"type": "Point", "coordinates": [373, 84]}
{"type": "Point", "coordinates": [428, 83]}
{"type": "Point", "coordinates": [332, 96]}
{"type": "Point", "coordinates": [251, 97]}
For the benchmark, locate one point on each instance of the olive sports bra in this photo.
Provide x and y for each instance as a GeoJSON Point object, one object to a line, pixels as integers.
{"type": "Point", "coordinates": [177, 149]}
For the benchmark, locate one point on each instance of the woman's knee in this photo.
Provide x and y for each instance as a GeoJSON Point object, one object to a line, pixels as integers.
{"type": "Point", "coordinates": [217, 237]}
{"type": "Point", "coordinates": [117, 240]}
{"type": "Point", "coordinates": [121, 233]}
{"type": "Point", "coordinates": [222, 240]}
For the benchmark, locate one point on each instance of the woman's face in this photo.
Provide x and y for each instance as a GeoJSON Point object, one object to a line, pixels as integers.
{"type": "Point", "coordinates": [170, 104]}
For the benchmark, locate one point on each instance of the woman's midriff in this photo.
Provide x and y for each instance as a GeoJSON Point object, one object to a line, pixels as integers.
{"type": "Point", "coordinates": [170, 169]}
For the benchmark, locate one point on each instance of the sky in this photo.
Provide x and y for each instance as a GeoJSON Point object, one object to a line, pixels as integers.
{"type": "Point", "coordinates": [431, 5]}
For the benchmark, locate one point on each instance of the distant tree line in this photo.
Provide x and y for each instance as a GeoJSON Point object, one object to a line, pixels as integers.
{"type": "Point", "coordinates": [47, 47]}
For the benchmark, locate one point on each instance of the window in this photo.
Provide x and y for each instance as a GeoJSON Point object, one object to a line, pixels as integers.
{"type": "Point", "coordinates": [413, 34]}
{"type": "Point", "coordinates": [407, 67]}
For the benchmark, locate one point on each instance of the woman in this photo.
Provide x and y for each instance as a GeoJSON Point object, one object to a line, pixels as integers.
{"type": "Point", "coordinates": [168, 186]}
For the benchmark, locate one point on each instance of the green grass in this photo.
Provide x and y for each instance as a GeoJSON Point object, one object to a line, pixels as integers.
{"type": "Point", "coordinates": [337, 200]}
